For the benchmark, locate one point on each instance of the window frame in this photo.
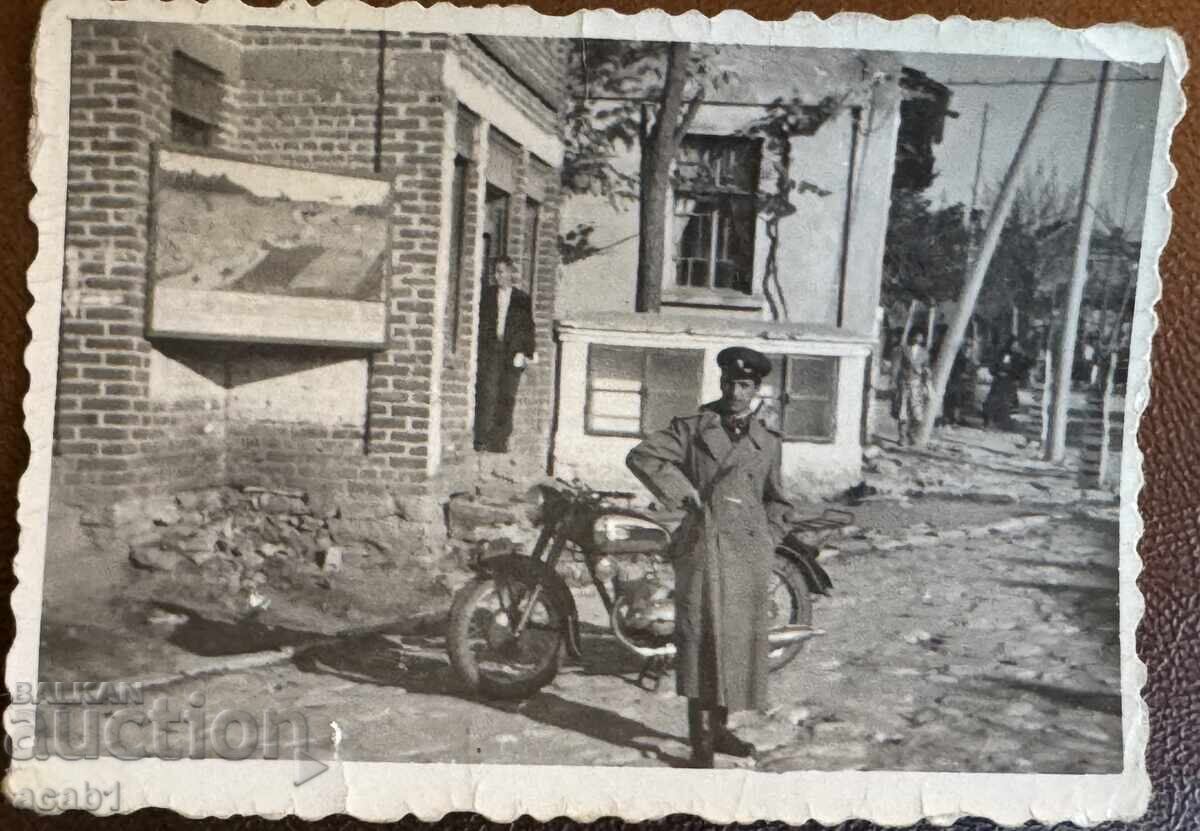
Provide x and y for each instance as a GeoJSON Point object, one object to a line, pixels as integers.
{"type": "Point", "coordinates": [646, 352]}
{"type": "Point", "coordinates": [496, 247]}
{"type": "Point", "coordinates": [787, 395]}
{"type": "Point", "coordinates": [458, 243]}
{"type": "Point", "coordinates": [205, 123]}
{"type": "Point", "coordinates": [530, 243]}
{"type": "Point", "coordinates": [724, 192]}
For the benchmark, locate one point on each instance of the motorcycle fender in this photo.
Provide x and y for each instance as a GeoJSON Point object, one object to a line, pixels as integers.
{"type": "Point", "coordinates": [553, 585]}
{"type": "Point", "coordinates": [805, 558]}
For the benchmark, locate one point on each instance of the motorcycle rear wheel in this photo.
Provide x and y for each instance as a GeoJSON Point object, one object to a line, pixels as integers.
{"type": "Point", "coordinates": [788, 603]}
{"type": "Point", "coordinates": [485, 652]}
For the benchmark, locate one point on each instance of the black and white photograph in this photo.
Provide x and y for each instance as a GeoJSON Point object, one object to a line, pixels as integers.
{"type": "Point", "coordinates": [484, 398]}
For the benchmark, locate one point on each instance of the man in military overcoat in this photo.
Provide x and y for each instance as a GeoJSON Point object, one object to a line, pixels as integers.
{"type": "Point", "coordinates": [723, 466]}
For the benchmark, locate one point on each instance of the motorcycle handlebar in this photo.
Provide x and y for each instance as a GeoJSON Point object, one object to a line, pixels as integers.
{"type": "Point", "coordinates": [578, 486]}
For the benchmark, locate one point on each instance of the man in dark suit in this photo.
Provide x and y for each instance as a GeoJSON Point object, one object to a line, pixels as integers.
{"type": "Point", "coordinates": [507, 344]}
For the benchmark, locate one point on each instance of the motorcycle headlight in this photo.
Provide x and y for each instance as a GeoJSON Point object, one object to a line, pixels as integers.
{"type": "Point", "coordinates": [535, 503]}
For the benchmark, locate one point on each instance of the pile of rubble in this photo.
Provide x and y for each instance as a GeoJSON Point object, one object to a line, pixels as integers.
{"type": "Point", "coordinates": [241, 538]}
{"type": "Point", "coordinates": [488, 521]}
{"type": "Point", "coordinates": [495, 520]}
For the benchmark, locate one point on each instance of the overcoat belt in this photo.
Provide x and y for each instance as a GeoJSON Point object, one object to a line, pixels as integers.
{"type": "Point", "coordinates": [722, 553]}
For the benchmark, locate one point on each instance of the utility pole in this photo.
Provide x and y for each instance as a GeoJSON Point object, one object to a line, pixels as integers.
{"type": "Point", "coordinates": [978, 173]}
{"type": "Point", "coordinates": [1056, 448]}
{"type": "Point", "coordinates": [969, 219]}
{"type": "Point", "coordinates": [991, 237]}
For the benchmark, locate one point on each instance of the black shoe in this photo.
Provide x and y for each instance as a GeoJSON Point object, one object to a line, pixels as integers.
{"type": "Point", "coordinates": [729, 744]}
{"type": "Point", "coordinates": [724, 740]}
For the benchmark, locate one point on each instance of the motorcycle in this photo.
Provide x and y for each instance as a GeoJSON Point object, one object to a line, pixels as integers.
{"type": "Point", "coordinates": [514, 623]}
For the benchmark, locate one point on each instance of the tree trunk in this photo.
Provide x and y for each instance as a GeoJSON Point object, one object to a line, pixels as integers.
{"type": "Point", "coordinates": [991, 236]}
{"type": "Point", "coordinates": [1056, 449]}
{"type": "Point", "coordinates": [1112, 339]}
{"type": "Point", "coordinates": [658, 148]}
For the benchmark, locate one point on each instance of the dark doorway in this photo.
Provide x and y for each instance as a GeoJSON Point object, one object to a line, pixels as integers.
{"type": "Point", "coordinates": [488, 360]}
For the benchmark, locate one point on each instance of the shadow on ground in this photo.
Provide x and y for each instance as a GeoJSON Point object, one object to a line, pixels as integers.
{"type": "Point", "coordinates": [418, 665]}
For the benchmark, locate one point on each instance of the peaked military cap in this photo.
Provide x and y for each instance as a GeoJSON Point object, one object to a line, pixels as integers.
{"type": "Point", "coordinates": [740, 362]}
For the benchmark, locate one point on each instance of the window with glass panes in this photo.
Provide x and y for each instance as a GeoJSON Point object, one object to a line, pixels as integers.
{"type": "Point", "coordinates": [799, 397]}
{"type": "Point", "coordinates": [716, 182]}
{"type": "Point", "coordinates": [632, 391]}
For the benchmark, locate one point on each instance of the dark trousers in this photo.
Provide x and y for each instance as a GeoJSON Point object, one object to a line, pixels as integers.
{"type": "Point", "coordinates": [496, 388]}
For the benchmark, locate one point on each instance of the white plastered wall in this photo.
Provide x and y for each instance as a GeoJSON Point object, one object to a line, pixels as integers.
{"type": "Point", "coordinates": [809, 468]}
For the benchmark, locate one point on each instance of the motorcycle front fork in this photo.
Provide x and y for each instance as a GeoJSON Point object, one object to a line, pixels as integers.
{"type": "Point", "coordinates": [524, 620]}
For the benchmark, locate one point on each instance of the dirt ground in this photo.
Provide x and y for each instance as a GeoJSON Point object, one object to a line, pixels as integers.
{"type": "Point", "coordinates": [981, 651]}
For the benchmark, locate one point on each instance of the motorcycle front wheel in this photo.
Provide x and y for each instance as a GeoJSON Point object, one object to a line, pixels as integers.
{"type": "Point", "coordinates": [505, 637]}
{"type": "Point", "coordinates": [788, 604]}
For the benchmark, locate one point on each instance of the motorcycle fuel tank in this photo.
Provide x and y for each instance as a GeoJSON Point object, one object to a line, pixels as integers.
{"type": "Point", "coordinates": [626, 534]}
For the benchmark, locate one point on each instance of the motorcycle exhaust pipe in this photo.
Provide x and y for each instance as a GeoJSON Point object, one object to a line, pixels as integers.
{"type": "Point", "coordinates": [785, 635]}
{"type": "Point", "coordinates": [782, 636]}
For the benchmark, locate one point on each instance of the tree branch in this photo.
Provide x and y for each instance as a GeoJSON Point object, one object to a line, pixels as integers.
{"type": "Point", "coordinates": [689, 115]}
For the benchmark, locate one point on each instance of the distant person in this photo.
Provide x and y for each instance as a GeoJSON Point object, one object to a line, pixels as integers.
{"type": "Point", "coordinates": [911, 388]}
{"type": "Point", "coordinates": [960, 388]}
{"type": "Point", "coordinates": [1008, 372]}
{"type": "Point", "coordinates": [1085, 357]}
{"type": "Point", "coordinates": [1091, 360]}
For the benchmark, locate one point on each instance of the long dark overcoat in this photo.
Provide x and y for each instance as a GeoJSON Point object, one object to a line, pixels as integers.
{"type": "Point", "coordinates": [722, 555]}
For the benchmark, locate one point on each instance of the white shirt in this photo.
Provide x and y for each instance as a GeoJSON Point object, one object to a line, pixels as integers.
{"type": "Point", "coordinates": [503, 298]}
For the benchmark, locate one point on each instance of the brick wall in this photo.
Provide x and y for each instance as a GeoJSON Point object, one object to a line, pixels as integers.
{"type": "Point", "coordinates": [529, 443]}
{"type": "Point", "coordinates": [415, 114]}
{"type": "Point", "coordinates": [458, 378]}
{"type": "Point", "coordinates": [540, 378]}
{"type": "Point", "coordinates": [109, 437]}
{"type": "Point", "coordinates": [308, 99]}
{"type": "Point", "coordinates": [311, 99]}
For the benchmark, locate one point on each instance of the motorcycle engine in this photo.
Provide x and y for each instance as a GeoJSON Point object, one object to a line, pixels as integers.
{"type": "Point", "coordinates": [644, 595]}
{"type": "Point", "coordinates": [647, 607]}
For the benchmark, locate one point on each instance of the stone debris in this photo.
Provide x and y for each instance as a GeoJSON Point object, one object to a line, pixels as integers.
{"type": "Point", "coordinates": [332, 560]}
{"type": "Point", "coordinates": [250, 541]}
{"type": "Point", "coordinates": [977, 466]}
{"type": "Point", "coordinates": [258, 541]}
{"type": "Point", "coordinates": [489, 522]}
{"type": "Point", "coordinates": [153, 558]}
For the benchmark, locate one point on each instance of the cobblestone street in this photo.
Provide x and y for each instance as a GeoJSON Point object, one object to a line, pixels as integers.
{"type": "Point", "coordinates": [969, 633]}
{"type": "Point", "coordinates": [988, 654]}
